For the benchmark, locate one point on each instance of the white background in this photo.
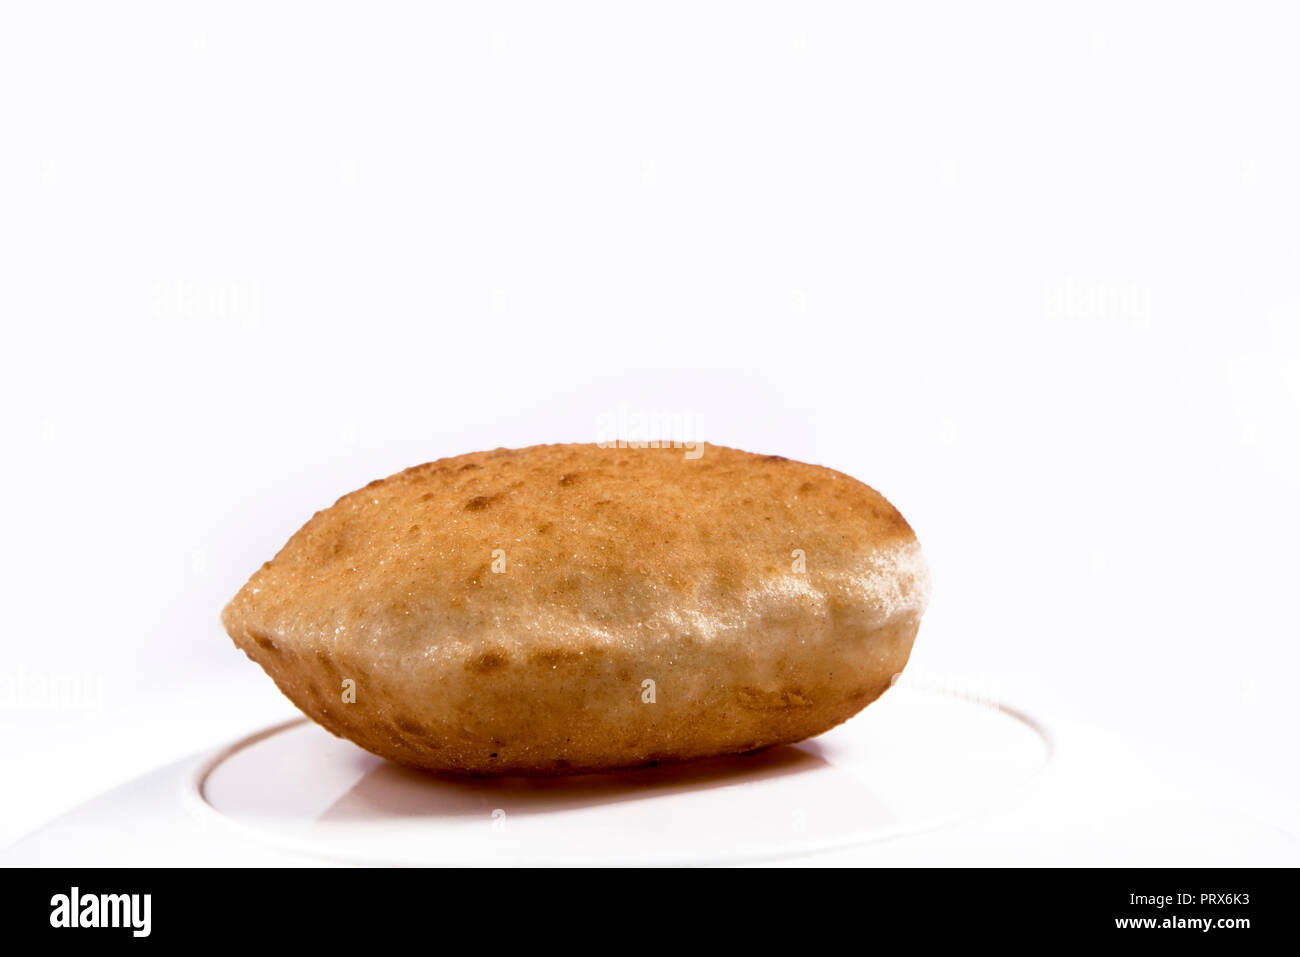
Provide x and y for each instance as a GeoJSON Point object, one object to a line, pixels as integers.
{"type": "Point", "coordinates": [1030, 270]}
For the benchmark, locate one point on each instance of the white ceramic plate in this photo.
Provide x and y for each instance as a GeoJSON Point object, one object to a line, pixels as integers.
{"type": "Point", "coordinates": [293, 794]}
{"type": "Point", "coordinates": [915, 760]}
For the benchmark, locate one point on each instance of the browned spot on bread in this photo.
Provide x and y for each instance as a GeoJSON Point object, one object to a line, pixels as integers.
{"type": "Point", "coordinates": [554, 656]}
{"type": "Point", "coordinates": [479, 502]}
{"type": "Point", "coordinates": [756, 699]}
{"type": "Point", "coordinates": [411, 726]}
{"type": "Point", "coordinates": [490, 660]}
{"type": "Point", "coordinates": [263, 640]}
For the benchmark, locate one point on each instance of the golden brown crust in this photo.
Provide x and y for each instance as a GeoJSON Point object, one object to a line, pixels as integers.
{"type": "Point", "coordinates": [500, 612]}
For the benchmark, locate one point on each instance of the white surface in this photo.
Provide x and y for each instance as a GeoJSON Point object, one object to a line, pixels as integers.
{"type": "Point", "coordinates": [923, 777]}
{"type": "Point", "coordinates": [1031, 272]}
